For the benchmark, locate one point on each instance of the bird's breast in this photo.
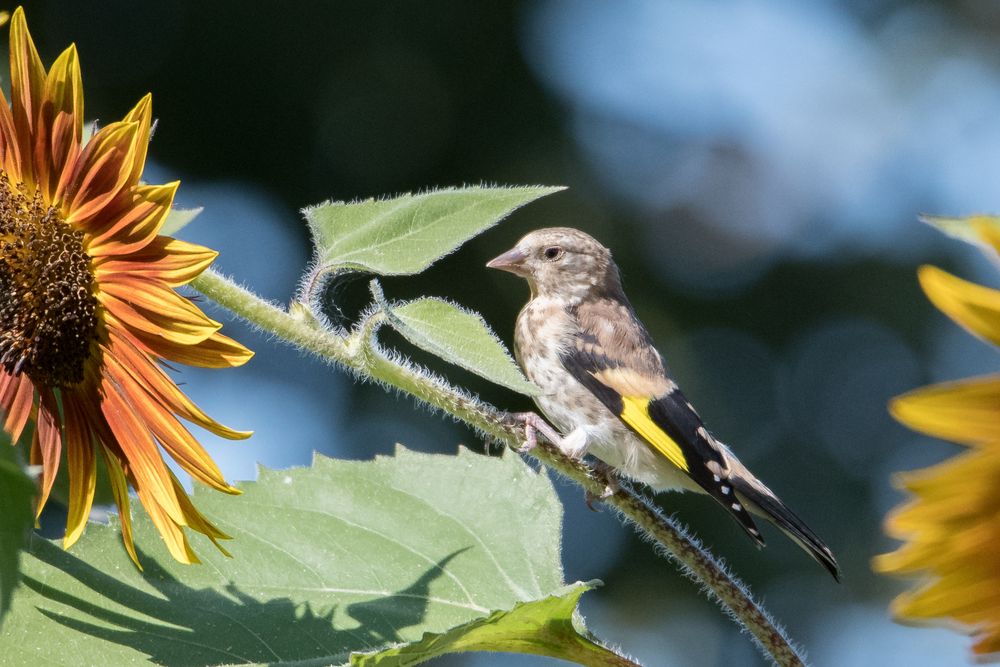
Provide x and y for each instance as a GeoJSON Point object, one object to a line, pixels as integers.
{"type": "Point", "coordinates": [543, 332]}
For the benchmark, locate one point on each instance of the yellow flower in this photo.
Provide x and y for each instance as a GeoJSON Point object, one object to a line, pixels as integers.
{"type": "Point", "coordinates": [951, 527]}
{"type": "Point", "coordinates": [88, 308]}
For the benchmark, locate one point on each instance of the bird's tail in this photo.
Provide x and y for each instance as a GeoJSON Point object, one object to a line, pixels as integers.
{"type": "Point", "coordinates": [762, 501]}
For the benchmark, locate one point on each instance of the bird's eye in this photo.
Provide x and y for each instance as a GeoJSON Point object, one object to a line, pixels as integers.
{"type": "Point", "coordinates": [553, 252]}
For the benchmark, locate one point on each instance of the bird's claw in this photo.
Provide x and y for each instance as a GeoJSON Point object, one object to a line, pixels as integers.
{"type": "Point", "coordinates": [533, 424]}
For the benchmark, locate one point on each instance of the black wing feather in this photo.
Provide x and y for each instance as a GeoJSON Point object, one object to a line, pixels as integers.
{"type": "Point", "coordinates": [672, 413]}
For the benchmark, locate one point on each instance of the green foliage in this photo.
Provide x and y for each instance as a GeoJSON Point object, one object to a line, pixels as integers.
{"type": "Point", "coordinates": [457, 336]}
{"type": "Point", "coordinates": [406, 234]}
{"type": "Point", "coordinates": [338, 558]}
{"type": "Point", "coordinates": [534, 627]}
{"type": "Point", "coordinates": [17, 493]}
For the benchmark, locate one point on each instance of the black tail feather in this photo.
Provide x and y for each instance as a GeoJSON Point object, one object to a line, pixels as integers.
{"type": "Point", "coordinates": [770, 507]}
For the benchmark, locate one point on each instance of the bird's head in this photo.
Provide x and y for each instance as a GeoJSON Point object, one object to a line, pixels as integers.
{"type": "Point", "coordinates": [561, 262]}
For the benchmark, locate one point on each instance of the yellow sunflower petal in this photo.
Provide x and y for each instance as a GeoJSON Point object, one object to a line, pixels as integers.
{"type": "Point", "coordinates": [216, 351]}
{"type": "Point", "coordinates": [967, 600]}
{"type": "Point", "coordinates": [27, 82]}
{"type": "Point", "coordinates": [974, 307]}
{"type": "Point", "coordinates": [965, 411]}
{"type": "Point", "coordinates": [60, 123]}
{"type": "Point", "coordinates": [987, 227]}
{"type": "Point", "coordinates": [142, 114]}
{"type": "Point", "coordinates": [169, 528]}
{"type": "Point", "coordinates": [197, 521]}
{"type": "Point", "coordinates": [81, 464]}
{"type": "Point", "coordinates": [119, 489]}
{"type": "Point", "coordinates": [166, 259]}
{"type": "Point", "coordinates": [101, 172]}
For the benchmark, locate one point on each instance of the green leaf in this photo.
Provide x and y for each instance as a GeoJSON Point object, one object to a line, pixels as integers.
{"type": "Point", "coordinates": [534, 626]}
{"type": "Point", "coordinates": [338, 558]}
{"type": "Point", "coordinates": [17, 516]}
{"type": "Point", "coordinates": [457, 336]}
{"type": "Point", "coordinates": [405, 235]}
{"type": "Point", "coordinates": [178, 218]}
{"type": "Point", "coordinates": [982, 231]}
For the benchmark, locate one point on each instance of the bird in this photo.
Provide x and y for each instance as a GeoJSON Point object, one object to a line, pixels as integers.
{"type": "Point", "coordinates": [607, 390]}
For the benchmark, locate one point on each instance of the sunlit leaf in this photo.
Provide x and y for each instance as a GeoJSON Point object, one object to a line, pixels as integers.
{"type": "Point", "coordinates": [534, 626]}
{"type": "Point", "coordinates": [178, 218]}
{"type": "Point", "coordinates": [406, 234]}
{"type": "Point", "coordinates": [17, 492]}
{"type": "Point", "coordinates": [338, 558]}
{"type": "Point", "coordinates": [459, 337]}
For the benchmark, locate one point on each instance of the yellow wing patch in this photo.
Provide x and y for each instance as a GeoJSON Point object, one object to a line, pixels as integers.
{"type": "Point", "coordinates": [635, 413]}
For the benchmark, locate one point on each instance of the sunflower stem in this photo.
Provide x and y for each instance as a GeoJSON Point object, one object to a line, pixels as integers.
{"type": "Point", "coordinates": [361, 353]}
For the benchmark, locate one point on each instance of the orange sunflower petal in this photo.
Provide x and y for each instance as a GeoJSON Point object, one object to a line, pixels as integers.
{"type": "Point", "coordinates": [60, 122]}
{"type": "Point", "coordinates": [965, 411]}
{"type": "Point", "coordinates": [139, 449]}
{"type": "Point", "coordinates": [134, 227]}
{"type": "Point", "coordinates": [165, 259]}
{"type": "Point", "coordinates": [194, 328]}
{"type": "Point", "coordinates": [156, 382]}
{"type": "Point", "coordinates": [172, 436]}
{"type": "Point", "coordinates": [46, 447]}
{"type": "Point", "coordinates": [151, 296]}
{"type": "Point", "coordinates": [81, 463]}
{"type": "Point", "coordinates": [10, 151]}
{"type": "Point", "coordinates": [17, 395]}
{"type": "Point", "coordinates": [974, 307]}
{"type": "Point", "coordinates": [27, 82]}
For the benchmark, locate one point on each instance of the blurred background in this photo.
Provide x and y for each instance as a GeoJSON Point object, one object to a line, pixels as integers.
{"type": "Point", "coordinates": [757, 167]}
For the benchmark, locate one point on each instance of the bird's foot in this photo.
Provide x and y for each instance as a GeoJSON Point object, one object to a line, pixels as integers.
{"type": "Point", "coordinates": [534, 424]}
{"type": "Point", "coordinates": [610, 479]}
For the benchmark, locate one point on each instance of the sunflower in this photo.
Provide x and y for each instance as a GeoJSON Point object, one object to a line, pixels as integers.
{"type": "Point", "coordinates": [88, 309]}
{"type": "Point", "coordinates": [951, 526]}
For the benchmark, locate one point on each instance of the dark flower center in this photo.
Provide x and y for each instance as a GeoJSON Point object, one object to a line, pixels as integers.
{"type": "Point", "coordinates": [48, 312]}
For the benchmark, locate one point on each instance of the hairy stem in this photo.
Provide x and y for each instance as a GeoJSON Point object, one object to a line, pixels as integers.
{"type": "Point", "coordinates": [361, 354]}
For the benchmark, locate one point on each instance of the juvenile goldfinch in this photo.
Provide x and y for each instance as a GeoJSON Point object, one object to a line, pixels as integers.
{"type": "Point", "coordinates": [605, 386]}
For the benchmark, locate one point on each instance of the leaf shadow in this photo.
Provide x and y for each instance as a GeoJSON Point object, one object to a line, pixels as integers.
{"type": "Point", "coordinates": [201, 627]}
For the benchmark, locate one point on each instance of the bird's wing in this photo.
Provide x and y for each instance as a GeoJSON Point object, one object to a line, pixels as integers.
{"type": "Point", "coordinates": [613, 356]}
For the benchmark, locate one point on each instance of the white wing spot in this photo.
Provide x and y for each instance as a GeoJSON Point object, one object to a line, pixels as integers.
{"type": "Point", "coordinates": [737, 507]}
{"type": "Point", "coordinates": [725, 490]}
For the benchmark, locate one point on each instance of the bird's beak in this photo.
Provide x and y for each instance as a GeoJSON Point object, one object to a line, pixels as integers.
{"type": "Point", "coordinates": [512, 260]}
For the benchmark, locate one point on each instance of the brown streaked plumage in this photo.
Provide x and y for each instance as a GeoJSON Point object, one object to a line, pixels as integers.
{"type": "Point", "coordinates": [606, 388]}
